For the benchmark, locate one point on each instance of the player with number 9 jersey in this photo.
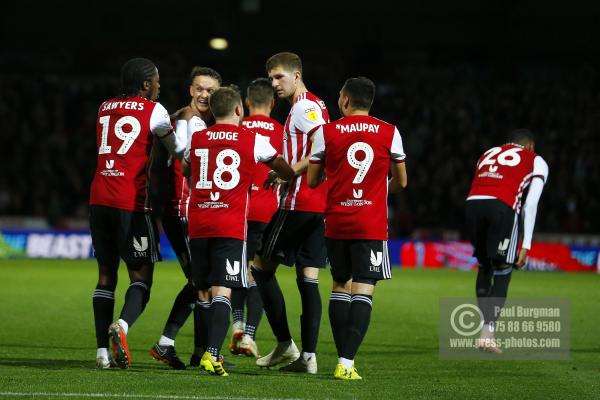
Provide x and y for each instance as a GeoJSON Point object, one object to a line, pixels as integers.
{"type": "Point", "coordinates": [357, 151]}
{"type": "Point", "coordinates": [356, 154]}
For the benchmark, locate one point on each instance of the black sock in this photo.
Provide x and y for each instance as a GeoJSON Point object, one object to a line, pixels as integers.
{"type": "Point", "coordinates": [238, 298]}
{"type": "Point", "coordinates": [483, 290]}
{"type": "Point", "coordinates": [339, 312]}
{"type": "Point", "coordinates": [182, 307]}
{"type": "Point", "coordinates": [103, 302]}
{"type": "Point", "coordinates": [201, 321]}
{"type": "Point", "coordinates": [255, 310]}
{"type": "Point", "coordinates": [220, 309]}
{"type": "Point", "coordinates": [273, 303]}
{"type": "Point", "coordinates": [358, 323]}
{"type": "Point", "coordinates": [499, 292]}
{"type": "Point", "coordinates": [136, 298]}
{"type": "Point", "coordinates": [312, 308]}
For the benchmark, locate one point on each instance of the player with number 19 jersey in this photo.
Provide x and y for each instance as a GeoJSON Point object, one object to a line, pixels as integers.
{"type": "Point", "coordinates": [223, 160]}
{"type": "Point", "coordinates": [357, 151]}
{"type": "Point", "coordinates": [125, 132]}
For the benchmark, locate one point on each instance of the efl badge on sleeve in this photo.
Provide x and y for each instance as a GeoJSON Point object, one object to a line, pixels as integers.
{"type": "Point", "coordinates": [311, 114]}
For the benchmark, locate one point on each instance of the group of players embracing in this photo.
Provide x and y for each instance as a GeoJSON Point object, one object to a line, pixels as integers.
{"type": "Point", "coordinates": [240, 196]}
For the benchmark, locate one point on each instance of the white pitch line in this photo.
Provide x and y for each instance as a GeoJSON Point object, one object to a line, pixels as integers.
{"type": "Point", "coordinates": [133, 396]}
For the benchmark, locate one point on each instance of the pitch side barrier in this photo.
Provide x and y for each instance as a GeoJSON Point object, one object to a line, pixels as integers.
{"type": "Point", "coordinates": [543, 256]}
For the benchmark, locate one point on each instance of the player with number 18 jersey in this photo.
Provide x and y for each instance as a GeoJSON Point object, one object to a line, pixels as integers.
{"type": "Point", "coordinates": [223, 160]}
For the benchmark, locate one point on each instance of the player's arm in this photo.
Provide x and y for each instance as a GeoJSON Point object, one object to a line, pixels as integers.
{"type": "Point", "coordinates": [315, 174]}
{"type": "Point", "coordinates": [540, 175]}
{"type": "Point", "coordinates": [281, 167]}
{"type": "Point", "coordinates": [397, 164]}
{"type": "Point", "coordinates": [160, 125]}
{"type": "Point", "coordinates": [185, 168]}
{"type": "Point", "coordinates": [399, 178]}
{"type": "Point", "coordinates": [316, 168]}
{"type": "Point", "coordinates": [308, 118]}
{"type": "Point", "coordinates": [265, 153]}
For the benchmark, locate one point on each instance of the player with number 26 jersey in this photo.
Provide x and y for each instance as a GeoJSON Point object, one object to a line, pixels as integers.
{"type": "Point", "coordinates": [504, 172]}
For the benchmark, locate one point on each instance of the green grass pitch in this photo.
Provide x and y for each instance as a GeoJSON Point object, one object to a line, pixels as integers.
{"type": "Point", "coordinates": [47, 344]}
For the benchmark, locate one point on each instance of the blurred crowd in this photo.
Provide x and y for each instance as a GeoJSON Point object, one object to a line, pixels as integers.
{"type": "Point", "coordinates": [448, 116]}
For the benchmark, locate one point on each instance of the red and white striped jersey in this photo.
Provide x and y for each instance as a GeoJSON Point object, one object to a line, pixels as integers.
{"type": "Point", "coordinates": [307, 114]}
{"type": "Point", "coordinates": [357, 151]}
{"type": "Point", "coordinates": [177, 189]}
{"type": "Point", "coordinates": [263, 202]}
{"type": "Point", "coordinates": [223, 159]}
{"type": "Point", "coordinates": [504, 172]}
{"type": "Point", "coordinates": [125, 131]}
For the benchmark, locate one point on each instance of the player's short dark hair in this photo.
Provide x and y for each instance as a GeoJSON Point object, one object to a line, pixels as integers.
{"type": "Point", "coordinates": [205, 71]}
{"type": "Point", "coordinates": [286, 60]}
{"type": "Point", "coordinates": [360, 92]}
{"type": "Point", "coordinates": [260, 92]}
{"type": "Point", "coordinates": [134, 73]}
{"type": "Point", "coordinates": [521, 136]}
{"type": "Point", "coordinates": [223, 101]}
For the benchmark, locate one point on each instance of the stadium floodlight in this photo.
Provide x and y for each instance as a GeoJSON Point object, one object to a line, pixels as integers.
{"type": "Point", "coordinates": [218, 43]}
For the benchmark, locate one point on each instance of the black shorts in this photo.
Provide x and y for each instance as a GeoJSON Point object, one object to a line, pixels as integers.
{"type": "Point", "coordinates": [177, 232]}
{"type": "Point", "coordinates": [219, 262]}
{"type": "Point", "coordinates": [295, 238]}
{"type": "Point", "coordinates": [130, 235]}
{"type": "Point", "coordinates": [493, 229]}
{"type": "Point", "coordinates": [254, 237]}
{"type": "Point", "coordinates": [358, 259]}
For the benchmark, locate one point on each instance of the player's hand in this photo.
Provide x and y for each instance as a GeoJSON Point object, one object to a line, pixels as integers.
{"type": "Point", "coordinates": [272, 181]}
{"type": "Point", "coordinates": [522, 258]}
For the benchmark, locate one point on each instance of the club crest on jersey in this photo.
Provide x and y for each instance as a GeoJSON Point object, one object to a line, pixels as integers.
{"type": "Point", "coordinates": [215, 196]}
{"type": "Point", "coordinates": [376, 260]}
{"type": "Point", "coordinates": [110, 164]}
{"type": "Point", "coordinates": [357, 193]}
{"type": "Point", "coordinates": [232, 270]}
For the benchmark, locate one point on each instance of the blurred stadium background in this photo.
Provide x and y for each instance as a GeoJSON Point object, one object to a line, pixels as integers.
{"type": "Point", "coordinates": [453, 76]}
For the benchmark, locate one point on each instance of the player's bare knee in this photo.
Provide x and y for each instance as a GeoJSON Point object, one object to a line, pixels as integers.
{"type": "Point", "coordinates": [307, 272]}
{"type": "Point", "coordinates": [343, 287]}
{"type": "Point", "coordinates": [363, 286]}
{"type": "Point", "coordinates": [221, 291]}
{"type": "Point", "coordinates": [203, 295]}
